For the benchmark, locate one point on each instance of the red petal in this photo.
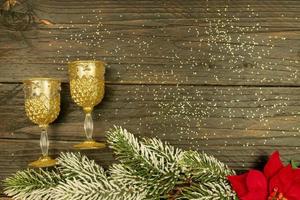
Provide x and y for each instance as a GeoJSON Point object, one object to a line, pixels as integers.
{"type": "Point", "coordinates": [296, 176]}
{"type": "Point", "coordinates": [239, 184]}
{"type": "Point", "coordinates": [273, 165]}
{"type": "Point", "coordinates": [294, 192]}
{"type": "Point", "coordinates": [256, 182]}
{"type": "Point", "coordinates": [255, 196]}
{"type": "Point", "coordinates": [283, 180]}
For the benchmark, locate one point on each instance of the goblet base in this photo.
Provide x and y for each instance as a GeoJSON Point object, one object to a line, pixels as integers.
{"type": "Point", "coordinates": [44, 161]}
{"type": "Point", "coordinates": [90, 144]}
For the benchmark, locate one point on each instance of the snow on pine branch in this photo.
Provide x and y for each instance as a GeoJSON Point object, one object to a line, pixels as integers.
{"type": "Point", "coordinates": [149, 164]}
{"type": "Point", "coordinates": [148, 169]}
{"type": "Point", "coordinates": [32, 184]}
{"type": "Point", "coordinates": [203, 167]}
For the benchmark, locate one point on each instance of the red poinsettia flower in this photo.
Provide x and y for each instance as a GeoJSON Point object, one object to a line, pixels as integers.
{"type": "Point", "coordinates": [276, 182]}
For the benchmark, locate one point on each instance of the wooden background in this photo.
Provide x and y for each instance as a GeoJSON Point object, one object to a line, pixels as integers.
{"type": "Point", "coordinates": [247, 111]}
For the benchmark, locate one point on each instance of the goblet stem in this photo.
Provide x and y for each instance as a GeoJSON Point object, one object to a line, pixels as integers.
{"type": "Point", "coordinates": [44, 142]}
{"type": "Point", "coordinates": [88, 126]}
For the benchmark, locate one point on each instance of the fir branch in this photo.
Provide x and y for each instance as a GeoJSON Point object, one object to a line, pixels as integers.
{"type": "Point", "coordinates": [79, 166]}
{"type": "Point", "coordinates": [208, 191]}
{"type": "Point", "coordinates": [127, 147]}
{"type": "Point", "coordinates": [126, 176]}
{"type": "Point", "coordinates": [152, 153]}
{"type": "Point", "coordinates": [87, 180]}
{"type": "Point", "coordinates": [80, 189]}
{"type": "Point", "coordinates": [167, 153]}
{"type": "Point", "coordinates": [207, 177]}
{"type": "Point", "coordinates": [148, 169]}
{"type": "Point", "coordinates": [32, 184]}
{"type": "Point", "coordinates": [149, 164]}
{"type": "Point", "coordinates": [203, 168]}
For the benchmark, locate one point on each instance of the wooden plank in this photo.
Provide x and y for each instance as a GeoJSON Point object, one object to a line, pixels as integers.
{"type": "Point", "coordinates": [138, 106]}
{"type": "Point", "coordinates": [18, 153]}
{"type": "Point", "coordinates": [26, 151]}
{"type": "Point", "coordinates": [236, 124]}
{"type": "Point", "coordinates": [151, 43]}
{"type": "Point", "coordinates": [283, 69]}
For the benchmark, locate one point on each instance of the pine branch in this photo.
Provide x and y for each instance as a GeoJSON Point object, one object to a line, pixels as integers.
{"type": "Point", "coordinates": [32, 184]}
{"type": "Point", "coordinates": [126, 176]}
{"type": "Point", "coordinates": [79, 189]}
{"type": "Point", "coordinates": [152, 153]}
{"type": "Point", "coordinates": [167, 153]}
{"type": "Point", "coordinates": [87, 180]}
{"type": "Point", "coordinates": [82, 179]}
{"type": "Point", "coordinates": [208, 191]}
{"type": "Point", "coordinates": [207, 177]}
{"type": "Point", "coordinates": [79, 166]}
{"type": "Point", "coordinates": [203, 168]}
{"type": "Point", "coordinates": [148, 164]}
{"type": "Point", "coordinates": [148, 169]}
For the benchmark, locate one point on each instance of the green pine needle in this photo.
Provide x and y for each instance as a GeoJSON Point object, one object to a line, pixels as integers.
{"type": "Point", "coordinates": [203, 168]}
{"type": "Point", "coordinates": [87, 180]}
{"type": "Point", "coordinates": [208, 191]}
{"type": "Point", "coordinates": [32, 184]}
{"type": "Point", "coordinates": [148, 169]}
{"type": "Point", "coordinates": [79, 166]}
{"type": "Point", "coordinates": [149, 164]}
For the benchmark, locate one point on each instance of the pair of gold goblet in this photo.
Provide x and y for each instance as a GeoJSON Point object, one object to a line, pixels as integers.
{"type": "Point", "coordinates": [42, 103]}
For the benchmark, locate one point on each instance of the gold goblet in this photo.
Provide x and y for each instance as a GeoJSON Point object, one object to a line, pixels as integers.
{"type": "Point", "coordinates": [87, 90]}
{"type": "Point", "coordinates": [42, 106]}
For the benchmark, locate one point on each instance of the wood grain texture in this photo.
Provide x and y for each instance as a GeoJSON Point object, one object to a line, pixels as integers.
{"type": "Point", "coordinates": [212, 121]}
{"type": "Point", "coordinates": [160, 79]}
{"type": "Point", "coordinates": [146, 42]}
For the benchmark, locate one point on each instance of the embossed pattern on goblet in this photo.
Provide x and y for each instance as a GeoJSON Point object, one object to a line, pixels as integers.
{"type": "Point", "coordinates": [40, 112]}
{"type": "Point", "coordinates": [87, 90]}
{"type": "Point", "coordinates": [42, 106]}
